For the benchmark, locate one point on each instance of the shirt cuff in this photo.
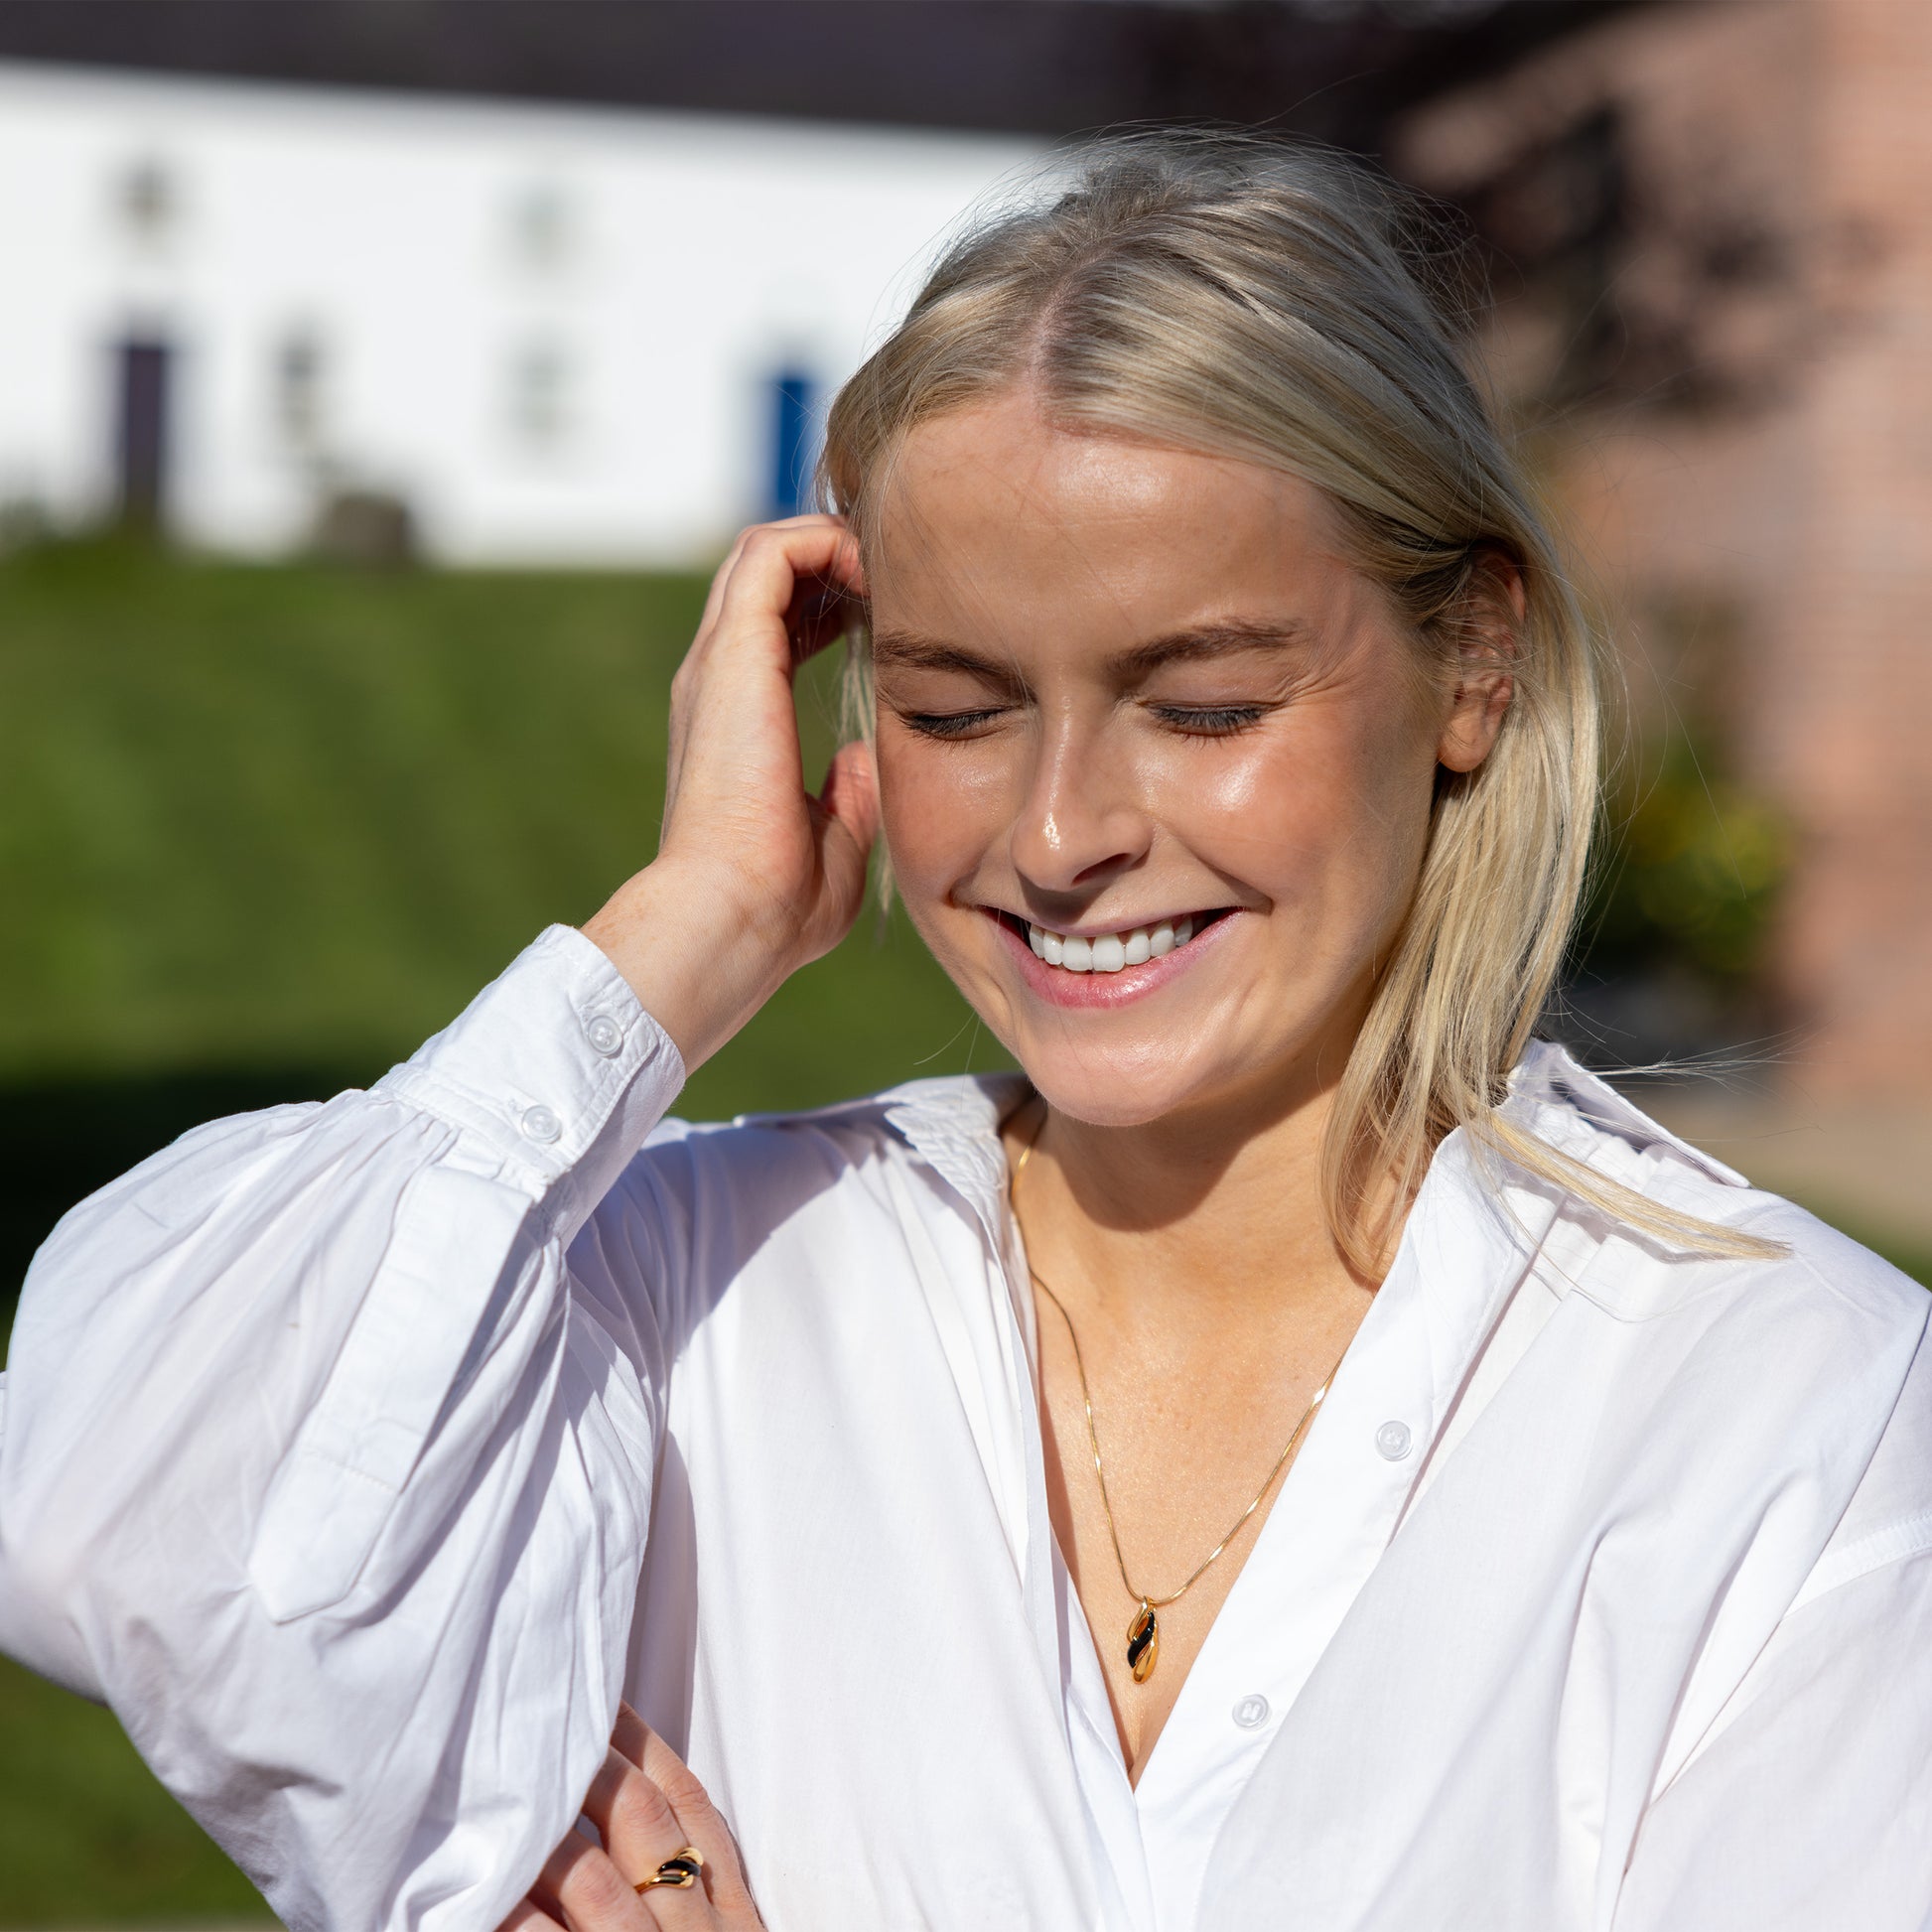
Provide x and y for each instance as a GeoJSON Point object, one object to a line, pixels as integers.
{"type": "Point", "coordinates": [553, 1074]}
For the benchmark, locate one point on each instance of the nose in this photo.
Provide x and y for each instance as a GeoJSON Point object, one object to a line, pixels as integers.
{"type": "Point", "coordinates": [1082, 822]}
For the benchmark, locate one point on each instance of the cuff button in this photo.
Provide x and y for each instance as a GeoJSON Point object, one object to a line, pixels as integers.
{"type": "Point", "coordinates": [605, 1035]}
{"type": "Point", "coordinates": [540, 1124]}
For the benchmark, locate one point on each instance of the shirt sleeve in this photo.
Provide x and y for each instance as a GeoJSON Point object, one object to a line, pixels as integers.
{"type": "Point", "coordinates": [318, 1466]}
{"type": "Point", "coordinates": [1812, 1809]}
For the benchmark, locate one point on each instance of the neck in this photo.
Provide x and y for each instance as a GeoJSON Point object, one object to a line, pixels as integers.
{"type": "Point", "coordinates": [1224, 1205]}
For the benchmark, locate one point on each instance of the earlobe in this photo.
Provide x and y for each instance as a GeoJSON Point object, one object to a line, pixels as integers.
{"type": "Point", "coordinates": [1481, 704]}
{"type": "Point", "coordinates": [1498, 607]}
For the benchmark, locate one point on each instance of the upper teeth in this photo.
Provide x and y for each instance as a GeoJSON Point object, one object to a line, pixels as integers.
{"type": "Point", "coordinates": [1112, 950]}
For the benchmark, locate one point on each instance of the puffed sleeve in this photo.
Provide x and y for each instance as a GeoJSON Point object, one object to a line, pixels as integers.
{"type": "Point", "coordinates": [1813, 1810]}
{"type": "Point", "coordinates": [319, 1466]}
{"type": "Point", "coordinates": [1809, 1806]}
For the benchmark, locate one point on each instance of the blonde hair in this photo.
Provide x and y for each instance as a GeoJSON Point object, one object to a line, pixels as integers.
{"type": "Point", "coordinates": [1241, 297]}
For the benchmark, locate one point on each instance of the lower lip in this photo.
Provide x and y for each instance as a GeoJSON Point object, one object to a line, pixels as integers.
{"type": "Point", "coordinates": [1091, 990]}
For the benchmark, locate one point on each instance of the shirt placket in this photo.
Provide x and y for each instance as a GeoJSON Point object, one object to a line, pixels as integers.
{"type": "Point", "coordinates": [1342, 1502]}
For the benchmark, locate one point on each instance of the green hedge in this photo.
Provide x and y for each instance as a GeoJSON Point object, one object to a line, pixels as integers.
{"type": "Point", "coordinates": [281, 817]}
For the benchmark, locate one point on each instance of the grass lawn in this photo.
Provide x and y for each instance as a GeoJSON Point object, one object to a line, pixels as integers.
{"type": "Point", "coordinates": [87, 1834]}
{"type": "Point", "coordinates": [255, 817]}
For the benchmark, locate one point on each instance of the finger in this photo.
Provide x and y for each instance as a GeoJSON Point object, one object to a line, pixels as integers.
{"type": "Point", "coordinates": [719, 579]}
{"type": "Point", "coordinates": [581, 1887]}
{"type": "Point", "coordinates": [850, 793]}
{"type": "Point", "coordinates": [822, 610]}
{"type": "Point", "coordinates": [723, 574]}
{"type": "Point", "coordinates": [812, 562]}
{"type": "Point", "coordinates": [635, 1818]}
{"type": "Point", "coordinates": [631, 1735]}
{"type": "Point", "coordinates": [529, 1916]}
{"type": "Point", "coordinates": [701, 1821]}
{"type": "Point", "coordinates": [747, 610]}
{"type": "Point", "coordinates": [845, 826]}
{"type": "Point", "coordinates": [778, 559]}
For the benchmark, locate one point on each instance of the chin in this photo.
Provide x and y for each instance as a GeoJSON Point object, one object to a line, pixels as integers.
{"type": "Point", "coordinates": [1120, 1088]}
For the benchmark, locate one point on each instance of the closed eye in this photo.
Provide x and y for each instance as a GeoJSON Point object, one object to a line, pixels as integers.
{"type": "Point", "coordinates": [1210, 721]}
{"type": "Point", "coordinates": [949, 724]}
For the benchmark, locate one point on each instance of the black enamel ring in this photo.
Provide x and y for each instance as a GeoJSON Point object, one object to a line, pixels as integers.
{"type": "Point", "coordinates": [680, 1871]}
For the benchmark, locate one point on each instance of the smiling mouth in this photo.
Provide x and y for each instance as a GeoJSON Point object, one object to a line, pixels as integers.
{"type": "Point", "coordinates": [1110, 952]}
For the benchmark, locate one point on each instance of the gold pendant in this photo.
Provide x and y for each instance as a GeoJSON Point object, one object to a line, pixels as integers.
{"type": "Point", "coordinates": [1143, 1642]}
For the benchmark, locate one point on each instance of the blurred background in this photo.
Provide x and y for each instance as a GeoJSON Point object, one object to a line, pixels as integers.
{"type": "Point", "coordinates": [380, 378]}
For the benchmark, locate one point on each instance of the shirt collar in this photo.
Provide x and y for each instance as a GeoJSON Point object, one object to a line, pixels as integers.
{"type": "Point", "coordinates": [1547, 1076]}
{"type": "Point", "coordinates": [953, 1125]}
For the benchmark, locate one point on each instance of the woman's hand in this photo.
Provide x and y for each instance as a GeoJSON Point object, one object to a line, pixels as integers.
{"type": "Point", "coordinates": [754, 877]}
{"type": "Point", "coordinates": [646, 1806]}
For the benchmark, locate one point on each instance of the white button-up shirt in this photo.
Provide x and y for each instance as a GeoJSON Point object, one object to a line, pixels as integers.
{"type": "Point", "coordinates": [360, 1456]}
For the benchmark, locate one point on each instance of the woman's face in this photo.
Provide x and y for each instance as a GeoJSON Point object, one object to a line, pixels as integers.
{"type": "Point", "coordinates": [1125, 693]}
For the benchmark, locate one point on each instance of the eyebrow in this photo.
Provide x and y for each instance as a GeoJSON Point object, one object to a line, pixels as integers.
{"type": "Point", "coordinates": [916, 652]}
{"type": "Point", "coordinates": [1209, 640]}
{"type": "Point", "coordinates": [921, 653]}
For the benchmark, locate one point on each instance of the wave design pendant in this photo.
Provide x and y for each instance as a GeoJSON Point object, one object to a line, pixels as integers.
{"type": "Point", "coordinates": [1143, 1642]}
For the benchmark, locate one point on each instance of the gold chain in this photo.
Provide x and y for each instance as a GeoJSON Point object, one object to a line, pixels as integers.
{"type": "Point", "coordinates": [1093, 1436]}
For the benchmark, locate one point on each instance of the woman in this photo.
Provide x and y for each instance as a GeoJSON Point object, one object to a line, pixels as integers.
{"type": "Point", "coordinates": [1301, 1451]}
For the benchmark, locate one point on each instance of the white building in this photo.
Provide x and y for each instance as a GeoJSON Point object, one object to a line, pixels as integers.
{"type": "Point", "coordinates": [555, 335]}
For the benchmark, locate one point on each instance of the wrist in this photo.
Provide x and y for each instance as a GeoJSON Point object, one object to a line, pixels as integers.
{"type": "Point", "coordinates": [689, 942]}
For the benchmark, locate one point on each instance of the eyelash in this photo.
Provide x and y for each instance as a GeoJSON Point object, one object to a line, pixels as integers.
{"type": "Point", "coordinates": [947, 724]}
{"type": "Point", "coordinates": [1209, 721]}
{"type": "Point", "coordinates": [1199, 721]}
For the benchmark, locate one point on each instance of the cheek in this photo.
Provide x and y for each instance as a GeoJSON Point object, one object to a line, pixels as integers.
{"type": "Point", "coordinates": [1328, 818]}
{"type": "Point", "coordinates": [938, 806]}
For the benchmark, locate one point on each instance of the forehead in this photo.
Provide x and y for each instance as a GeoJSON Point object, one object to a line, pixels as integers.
{"type": "Point", "coordinates": [995, 507]}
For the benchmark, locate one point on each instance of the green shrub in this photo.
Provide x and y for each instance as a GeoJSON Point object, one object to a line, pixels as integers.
{"type": "Point", "coordinates": [1690, 874]}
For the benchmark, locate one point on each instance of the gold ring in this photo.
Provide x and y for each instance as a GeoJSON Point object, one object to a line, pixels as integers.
{"type": "Point", "coordinates": [680, 1871]}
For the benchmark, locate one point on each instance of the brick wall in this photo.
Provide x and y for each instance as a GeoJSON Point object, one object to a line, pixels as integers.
{"type": "Point", "coordinates": [1752, 435]}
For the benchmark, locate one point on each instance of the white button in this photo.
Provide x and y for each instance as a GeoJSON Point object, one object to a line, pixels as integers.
{"type": "Point", "coordinates": [540, 1124]}
{"type": "Point", "coordinates": [1252, 1712]}
{"type": "Point", "coordinates": [604, 1034]}
{"type": "Point", "coordinates": [1392, 1438]}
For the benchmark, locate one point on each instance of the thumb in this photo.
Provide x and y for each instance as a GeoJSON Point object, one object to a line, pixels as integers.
{"type": "Point", "coordinates": [849, 797]}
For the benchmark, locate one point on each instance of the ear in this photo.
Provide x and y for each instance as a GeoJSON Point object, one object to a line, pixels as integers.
{"type": "Point", "coordinates": [1488, 635]}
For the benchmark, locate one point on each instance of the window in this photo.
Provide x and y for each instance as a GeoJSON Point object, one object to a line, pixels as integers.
{"type": "Point", "coordinates": [539, 396]}
{"type": "Point", "coordinates": [540, 226]}
{"type": "Point", "coordinates": [146, 201]}
{"type": "Point", "coordinates": [299, 377]}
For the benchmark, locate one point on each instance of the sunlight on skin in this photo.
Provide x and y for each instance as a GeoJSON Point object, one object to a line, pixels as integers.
{"type": "Point", "coordinates": [1117, 684]}
{"type": "Point", "coordinates": [1289, 782]}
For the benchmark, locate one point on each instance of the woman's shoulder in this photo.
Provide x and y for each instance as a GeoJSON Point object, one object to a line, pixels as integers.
{"type": "Point", "coordinates": [1810, 1363]}
{"type": "Point", "coordinates": [808, 1195]}
{"type": "Point", "coordinates": [1815, 1268]}
{"type": "Point", "coordinates": [948, 1126]}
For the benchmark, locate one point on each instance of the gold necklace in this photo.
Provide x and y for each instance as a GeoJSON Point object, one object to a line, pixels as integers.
{"type": "Point", "coordinates": [1144, 1627]}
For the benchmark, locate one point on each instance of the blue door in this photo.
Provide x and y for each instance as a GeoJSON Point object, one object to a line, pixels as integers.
{"type": "Point", "coordinates": [142, 370]}
{"type": "Point", "coordinates": [794, 443]}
